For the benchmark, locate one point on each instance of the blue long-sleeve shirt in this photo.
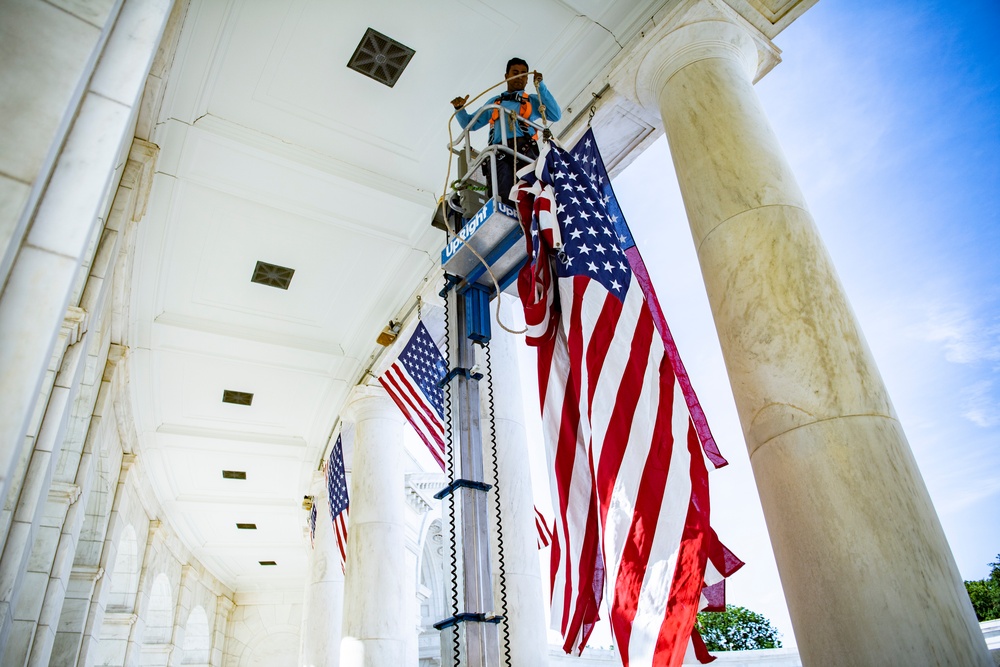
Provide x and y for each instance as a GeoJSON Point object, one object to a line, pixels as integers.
{"type": "Point", "coordinates": [552, 113]}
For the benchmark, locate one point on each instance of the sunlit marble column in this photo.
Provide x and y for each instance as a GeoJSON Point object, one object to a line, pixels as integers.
{"type": "Point", "coordinates": [375, 624]}
{"type": "Point", "coordinates": [525, 610]}
{"type": "Point", "coordinates": [324, 595]}
{"type": "Point", "coordinates": [104, 53]}
{"type": "Point", "coordinates": [867, 572]}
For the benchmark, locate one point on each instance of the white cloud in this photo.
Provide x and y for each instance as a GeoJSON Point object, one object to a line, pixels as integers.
{"type": "Point", "coordinates": [966, 339]}
{"type": "Point", "coordinates": [982, 407]}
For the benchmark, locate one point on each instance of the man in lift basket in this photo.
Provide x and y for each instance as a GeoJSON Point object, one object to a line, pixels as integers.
{"type": "Point", "coordinates": [521, 137]}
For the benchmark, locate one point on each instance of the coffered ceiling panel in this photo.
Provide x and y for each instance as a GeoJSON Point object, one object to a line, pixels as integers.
{"type": "Point", "coordinates": [195, 464]}
{"type": "Point", "coordinates": [215, 241]}
{"type": "Point", "coordinates": [283, 403]}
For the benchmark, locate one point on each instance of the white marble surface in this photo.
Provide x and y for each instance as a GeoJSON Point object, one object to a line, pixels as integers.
{"type": "Point", "coordinates": [39, 82]}
{"type": "Point", "coordinates": [95, 12]}
{"type": "Point", "coordinates": [257, 629]}
{"type": "Point", "coordinates": [13, 197]}
{"type": "Point", "coordinates": [126, 59]}
{"type": "Point", "coordinates": [41, 280]}
{"type": "Point", "coordinates": [46, 539]}
{"type": "Point", "coordinates": [991, 632]}
{"type": "Point", "coordinates": [31, 300]}
{"type": "Point", "coordinates": [526, 623]}
{"type": "Point", "coordinates": [67, 214]}
{"type": "Point", "coordinates": [323, 604]}
{"type": "Point", "coordinates": [375, 628]}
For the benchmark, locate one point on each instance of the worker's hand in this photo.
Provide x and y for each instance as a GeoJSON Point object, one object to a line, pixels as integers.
{"type": "Point", "coordinates": [459, 102]}
{"type": "Point", "coordinates": [538, 78]}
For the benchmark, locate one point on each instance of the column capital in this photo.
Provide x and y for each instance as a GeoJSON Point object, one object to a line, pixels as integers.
{"type": "Point", "coordinates": [370, 402]}
{"type": "Point", "coordinates": [91, 573]}
{"type": "Point", "coordinates": [317, 483]}
{"type": "Point", "coordinates": [75, 323]}
{"type": "Point", "coordinates": [693, 30]}
{"type": "Point", "coordinates": [64, 493]}
{"type": "Point", "coordinates": [138, 174]}
{"type": "Point", "coordinates": [676, 49]}
{"type": "Point", "coordinates": [225, 604]}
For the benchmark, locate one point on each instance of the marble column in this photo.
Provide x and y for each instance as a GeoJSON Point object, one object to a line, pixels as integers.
{"type": "Point", "coordinates": [375, 626]}
{"type": "Point", "coordinates": [106, 70]}
{"type": "Point", "coordinates": [31, 543]}
{"type": "Point", "coordinates": [94, 616]}
{"type": "Point", "coordinates": [62, 564]}
{"type": "Point", "coordinates": [137, 630]}
{"type": "Point", "coordinates": [223, 618]}
{"type": "Point", "coordinates": [525, 610]}
{"type": "Point", "coordinates": [323, 605]}
{"type": "Point", "coordinates": [866, 569]}
{"type": "Point", "coordinates": [182, 610]}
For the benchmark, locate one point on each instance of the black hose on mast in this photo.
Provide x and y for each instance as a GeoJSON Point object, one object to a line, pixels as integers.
{"type": "Point", "coordinates": [501, 565]}
{"type": "Point", "coordinates": [450, 454]}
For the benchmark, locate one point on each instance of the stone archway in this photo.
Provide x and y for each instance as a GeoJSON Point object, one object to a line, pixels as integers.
{"type": "Point", "coordinates": [278, 648]}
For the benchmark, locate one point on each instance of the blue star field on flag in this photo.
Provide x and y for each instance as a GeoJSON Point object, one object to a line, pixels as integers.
{"type": "Point", "coordinates": [592, 243]}
{"type": "Point", "coordinates": [423, 361]}
{"type": "Point", "coordinates": [589, 159]}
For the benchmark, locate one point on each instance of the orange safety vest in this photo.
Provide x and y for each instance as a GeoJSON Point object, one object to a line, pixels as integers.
{"type": "Point", "coordinates": [524, 112]}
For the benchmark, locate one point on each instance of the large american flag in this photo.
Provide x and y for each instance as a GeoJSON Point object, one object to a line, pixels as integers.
{"type": "Point", "coordinates": [336, 486]}
{"type": "Point", "coordinates": [626, 439]}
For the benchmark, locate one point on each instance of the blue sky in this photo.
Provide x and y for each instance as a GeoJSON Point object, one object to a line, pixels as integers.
{"type": "Point", "coordinates": [889, 113]}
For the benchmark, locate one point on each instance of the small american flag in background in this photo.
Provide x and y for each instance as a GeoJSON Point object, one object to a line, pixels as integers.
{"type": "Point", "coordinates": [626, 438]}
{"type": "Point", "coordinates": [412, 382]}
{"type": "Point", "coordinates": [336, 486]}
{"type": "Point", "coordinates": [312, 525]}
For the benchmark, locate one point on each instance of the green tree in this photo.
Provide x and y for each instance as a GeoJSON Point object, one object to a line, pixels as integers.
{"type": "Point", "coordinates": [736, 629]}
{"type": "Point", "coordinates": [985, 594]}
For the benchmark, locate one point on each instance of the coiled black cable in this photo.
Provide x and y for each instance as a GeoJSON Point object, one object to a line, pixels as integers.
{"type": "Point", "coordinates": [501, 565]}
{"type": "Point", "coordinates": [450, 454]}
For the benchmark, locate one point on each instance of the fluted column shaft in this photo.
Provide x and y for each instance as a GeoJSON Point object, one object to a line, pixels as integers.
{"type": "Point", "coordinates": [324, 595]}
{"type": "Point", "coordinates": [375, 626]}
{"type": "Point", "coordinates": [866, 569]}
{"type": "Point", "coordinates": [525, 610]}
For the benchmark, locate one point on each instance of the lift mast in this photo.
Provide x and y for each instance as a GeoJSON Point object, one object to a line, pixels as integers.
{"type": "Point", "coordinates": [484, 253]}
